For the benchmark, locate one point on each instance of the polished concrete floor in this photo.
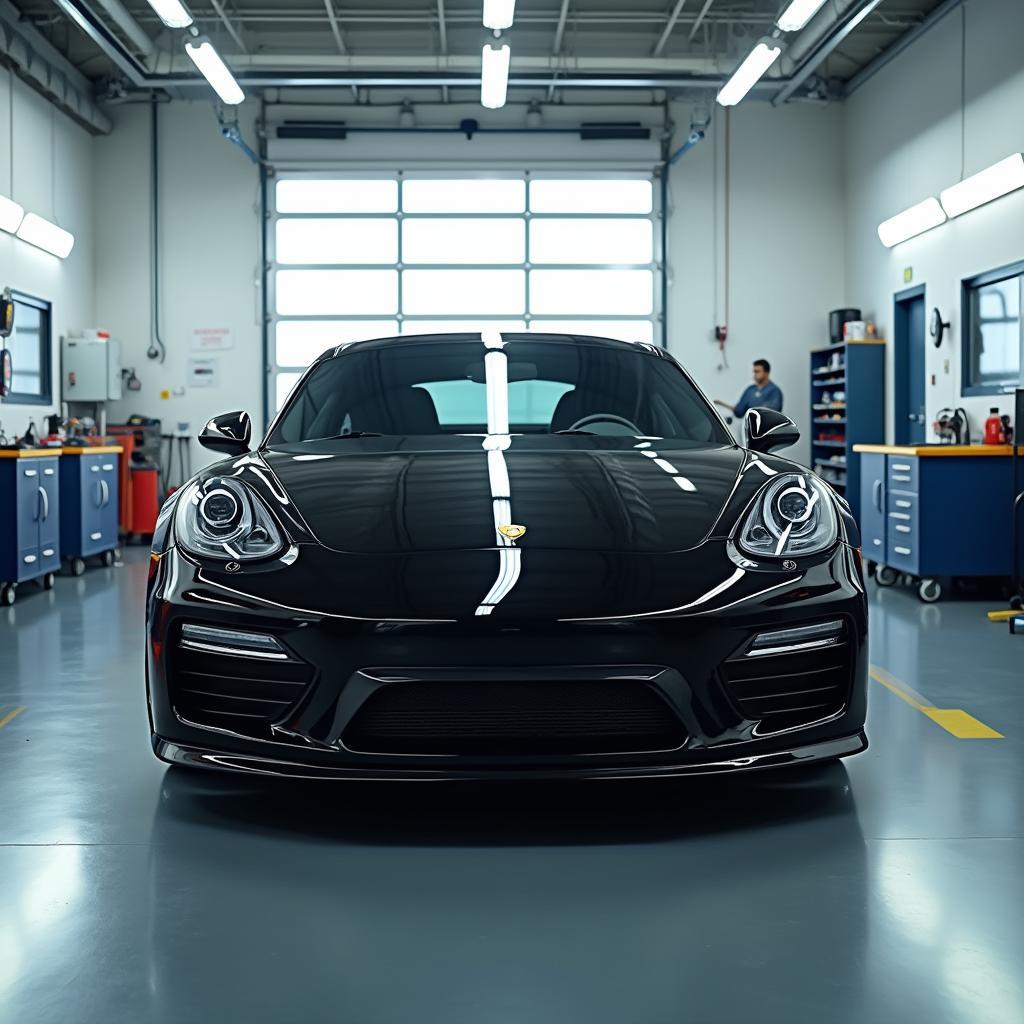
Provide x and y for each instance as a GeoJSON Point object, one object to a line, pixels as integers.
{"type": "Point", "coordinates": [886, 889]}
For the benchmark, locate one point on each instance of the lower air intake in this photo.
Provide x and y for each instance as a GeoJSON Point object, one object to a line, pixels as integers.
{"type": "Point", "coordinates": [514, 718]}
{"type": "Point", "coordinates": [792, 688]}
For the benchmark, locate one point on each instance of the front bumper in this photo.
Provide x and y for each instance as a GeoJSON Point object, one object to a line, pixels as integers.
{"type": "Point", "coordinates": [679, 656]}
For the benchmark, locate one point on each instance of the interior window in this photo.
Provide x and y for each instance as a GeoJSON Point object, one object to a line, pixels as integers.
{"type": "Point", "coordinates": [993, 331]}
{"type": "Point", "coordinates": [29, 344]}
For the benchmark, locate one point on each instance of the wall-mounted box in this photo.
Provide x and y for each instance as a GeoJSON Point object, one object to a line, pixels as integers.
{"type": "Point", "coordinates": [90, 369]}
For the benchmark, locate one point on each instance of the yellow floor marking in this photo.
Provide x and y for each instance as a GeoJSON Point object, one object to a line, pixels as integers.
{"type": "Point", "coordinates": [10, 716]}
{"type": "Point", "coordinates": [956, 722]}
{"type": "Point", "coordinates": [1003, 616]}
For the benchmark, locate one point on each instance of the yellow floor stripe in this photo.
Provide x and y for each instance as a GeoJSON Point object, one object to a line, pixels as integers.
{"type": "Point", "coordinates": [10, 716]}
{"type": "Point", "coordinates": [956, 722]}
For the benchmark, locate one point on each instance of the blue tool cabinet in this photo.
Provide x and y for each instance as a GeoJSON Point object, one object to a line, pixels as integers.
{"type": "Point", "coordinates": [89, 511]}
{"type": "Point", "coordinates": [29, 519]}
{"type": "Point", "coordinates": [935, 511]}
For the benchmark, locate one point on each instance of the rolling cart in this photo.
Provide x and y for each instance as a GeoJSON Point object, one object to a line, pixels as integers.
{"type": "Point", "coordinates": [89, 512]}
{"type": "Point", "coordinates": [29, 516]}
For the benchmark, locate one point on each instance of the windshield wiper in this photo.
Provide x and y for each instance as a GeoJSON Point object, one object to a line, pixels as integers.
{"type": "Point", "coordinates": [592, 433]}
{"type": "Point", "coordinates": [353, 433]}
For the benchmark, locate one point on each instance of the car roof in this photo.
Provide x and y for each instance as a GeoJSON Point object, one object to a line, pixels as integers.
{"type": "Point", "coordinates": [427, 339]}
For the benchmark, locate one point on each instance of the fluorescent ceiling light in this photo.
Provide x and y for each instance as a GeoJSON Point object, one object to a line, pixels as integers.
{"type": "Point", "coordinates": [758, 61]}
{"type": "Point", "coordinates": [214, 70]}
{"type": "Point", "coordinates": [10, 214]}
{"type": "Point", "coordinates": [498, 14]}
{"type": "Point", "coordinates": [797, 14]}
{"type": "Point", "coordinates": [42, 233]}
{"type": "Point", "coordinates": [991, 183]}
{"type": "Point", "coordinates": [172, 13]}
{"type": "Point", "coordinates": [914, 221]}
{"type": "Point", "coordinates": [494, 76]}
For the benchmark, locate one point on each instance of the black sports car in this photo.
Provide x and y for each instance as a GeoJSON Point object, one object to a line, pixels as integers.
{"type": "Point", "coordinates": [504, 555]}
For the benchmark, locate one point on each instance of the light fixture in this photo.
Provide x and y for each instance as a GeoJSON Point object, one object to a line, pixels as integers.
{"type": "Point", "coordinates": [499, 14]}
{"type": "Point", "coordinates": [918, 218]}
{"type": "Point", "coordinates": [172, 13]}
{"type": "Point", "coordinates": [214, 70]}
{"type": "Point", "coordinates": [44, 234]}
{"type": "Point", "coordinates": [797, 14]}
{"type": "Point", "coordinates": [10, 214]}
{"type": "Point", "coordinates": [991, 183]}
{"type": "Point", "coordinates": [758, 61]}
{"type": "Point", "coordinates": [494, 76]}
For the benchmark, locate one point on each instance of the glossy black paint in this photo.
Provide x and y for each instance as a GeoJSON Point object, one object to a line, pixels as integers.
{"type": "Point", "coordinates": [393, 572]}
{"type": "Point", "coordinates": [767, 430]}
{"type": "Point", "coordinates": [229, 433]}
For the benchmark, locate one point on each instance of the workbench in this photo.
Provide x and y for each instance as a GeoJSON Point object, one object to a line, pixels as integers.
{"type": "Point", "coordinates": [936, 511]}
{"type": "Point", "coordinates": [29, 518]}
{"type": "Point", "coordinates": [89, 511]}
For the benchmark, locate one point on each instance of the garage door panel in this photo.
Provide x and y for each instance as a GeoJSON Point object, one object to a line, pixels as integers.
{"type": "Point", "coordinates": [602, 292]}
{"type": "Point", "coordinates": [336, 292]}
{"type": "Point", "coordinates": [337, 240]}
{"type": "Point", "coordinates": [495, 292]}
{"type": "Point", "coordinates": [463, 240]}
{"type": "Point", "coordinates": [463, 195]}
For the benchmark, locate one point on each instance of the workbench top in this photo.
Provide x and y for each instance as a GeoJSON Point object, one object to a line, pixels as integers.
{"type": "Point", "coordinates": [935, 449]}
{"type": "Point", "coordinates": [30, 453]}
{"type": "Point", "coordinates": [99, 449]}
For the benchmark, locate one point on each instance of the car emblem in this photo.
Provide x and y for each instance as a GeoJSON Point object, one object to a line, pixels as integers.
{"type": "Point", "coordinates": [512, 531]}
{"type": "Point", "coordinates": [232, 567]}
{"type": "Point", "coordinates": [789, 564]}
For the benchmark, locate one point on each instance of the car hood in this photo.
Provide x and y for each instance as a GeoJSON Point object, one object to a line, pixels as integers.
{"type": "Point", "coordinates": [649, 499]}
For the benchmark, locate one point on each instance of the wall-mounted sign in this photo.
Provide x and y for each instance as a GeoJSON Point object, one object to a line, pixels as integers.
{"type": "Point", "coordinates": [203, 373]}
{"type": "Point", "coordinates": [908, 275]}
{"type": "Point", "coordinates": [212, 339]}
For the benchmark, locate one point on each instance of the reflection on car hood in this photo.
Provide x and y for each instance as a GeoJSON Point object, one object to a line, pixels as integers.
{"type": "Point", "coordinates": [592, 499]}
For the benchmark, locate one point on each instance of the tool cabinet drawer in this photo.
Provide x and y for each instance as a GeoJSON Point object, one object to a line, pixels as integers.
{"type": "Point", "coordinates": [903, 475]}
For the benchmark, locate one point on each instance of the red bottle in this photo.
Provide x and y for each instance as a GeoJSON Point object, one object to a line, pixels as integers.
{"type": "Point", "coordinates": [994, 428]}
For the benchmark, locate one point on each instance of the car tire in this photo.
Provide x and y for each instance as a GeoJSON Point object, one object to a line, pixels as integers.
{"type": "Point", "coordinates": [885, 576]}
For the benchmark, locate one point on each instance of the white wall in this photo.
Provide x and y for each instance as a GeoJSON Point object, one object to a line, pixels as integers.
{"type": "Point", "coordinates": [52, 176]}
{"type": "Point", "coordinates": [903, 143]}
{"type": "Point", "coordinates": [786, 248]}
{"type": "Point", "coordinates": [209, 231]}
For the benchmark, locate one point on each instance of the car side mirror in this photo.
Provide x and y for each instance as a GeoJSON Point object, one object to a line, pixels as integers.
{"type": "Point", "coordinates": [767, 430]}
{"type": "Point", "coordinates": [229, 433]}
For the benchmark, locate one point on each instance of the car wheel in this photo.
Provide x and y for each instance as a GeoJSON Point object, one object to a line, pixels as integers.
{"type": "Point", "coordinates": [77, 566]}
{"type": "Point", "coordinates": [48, 580]}
{"type": "Point", "coordinates": [7, 595]}
{"type": "Point", "coordinates": [929, 591]}
{"type": "Point", "coordinates": [885, 576]}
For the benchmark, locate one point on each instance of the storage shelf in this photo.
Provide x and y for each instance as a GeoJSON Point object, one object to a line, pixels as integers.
{"type": "Point", "coordinates": [826, 422]}
{"type": "Point", "coordinates": [822, 407]}
{"type": "Point", "coordinates": [829, 444]}
{"type": "Point", "coordinates": [829, 382]}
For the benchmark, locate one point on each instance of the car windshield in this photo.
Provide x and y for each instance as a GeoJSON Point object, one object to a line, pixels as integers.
{"type": "Point", "coordinates": [497, 384]}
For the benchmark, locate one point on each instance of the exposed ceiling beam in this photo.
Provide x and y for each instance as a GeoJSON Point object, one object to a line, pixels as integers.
{"type": "Point", "coordinates": [128, 25]}
{"type": "Point", "coordinates": [226, 21]}
{"type": "Point", "coordinates": [560, 27]}
{"type": "Point", "coordinates": [442, 34]}
{"type": "Point", "coordinates": [907, 39]}
{"type": "Point", "coordinates": [339, 39]}
{"type": "Point", "coordinates": [819, 48]}
{"type": "Point", "coordinates": [669, 26]}
{"type": "Point", "coordinates": [699, 20]}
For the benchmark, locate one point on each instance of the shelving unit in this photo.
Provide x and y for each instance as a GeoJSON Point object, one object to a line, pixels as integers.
{"type": "Point", "coordinates": [847, 408]}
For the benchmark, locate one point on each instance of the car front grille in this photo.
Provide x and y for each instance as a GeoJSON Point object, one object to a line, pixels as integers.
{"type": "Point", "coordinates": [235, 692]}
{"type": "Point", "coordinates": [521, 717]}
{"type": "Point", "coordinates": [789, 689]}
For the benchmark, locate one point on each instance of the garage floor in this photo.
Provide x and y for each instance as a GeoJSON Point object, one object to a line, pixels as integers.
{"type": "Point", "coordinates": [888, 888]}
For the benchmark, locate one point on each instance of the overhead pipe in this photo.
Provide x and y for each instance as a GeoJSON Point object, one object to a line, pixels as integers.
{"type": "Point", "coordinates": [121, 17]}
{"type": "Point", "coordinates": [814, 44]}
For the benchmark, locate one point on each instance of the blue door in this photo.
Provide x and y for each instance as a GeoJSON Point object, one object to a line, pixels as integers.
{"type": "Point", "coordinates": [872, 506]}
{"type": "Point", "coordinates": [27, 518]}
{"type": "Point", "coordinates": [49, 515]}
{"type": "Point", "coordinates": [909, 338]}
{"type": "Point", "coordinates": [92, 504]}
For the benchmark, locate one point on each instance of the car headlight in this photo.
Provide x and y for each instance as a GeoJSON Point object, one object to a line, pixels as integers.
{"type": "Point", "coordinates": [222, 518]}
{"type": "Point", "coordinates": [793, 515]}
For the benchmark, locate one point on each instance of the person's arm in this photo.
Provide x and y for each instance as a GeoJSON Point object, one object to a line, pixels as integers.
{"type": "Point", "coordinates": [726, 405]}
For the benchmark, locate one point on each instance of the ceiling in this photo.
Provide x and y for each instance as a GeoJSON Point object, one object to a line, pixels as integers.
{"type": "Point", "coordinates": [696, 37]}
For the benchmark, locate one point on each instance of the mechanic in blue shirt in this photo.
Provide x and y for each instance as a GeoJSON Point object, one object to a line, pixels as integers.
{"type": "Point", "coordinates": [763, 393]}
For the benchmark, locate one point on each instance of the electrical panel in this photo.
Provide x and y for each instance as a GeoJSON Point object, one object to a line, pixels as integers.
{"type": "Point", "coordinates": [90, 369]}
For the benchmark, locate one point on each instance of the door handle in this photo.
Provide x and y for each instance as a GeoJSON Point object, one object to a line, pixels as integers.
{"type": "Point", "coordinates": [42, 505]}
{"type": "Point", "coordinates": [105, 491]}
{"type": "Point", "coordinates": [876, 491]}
